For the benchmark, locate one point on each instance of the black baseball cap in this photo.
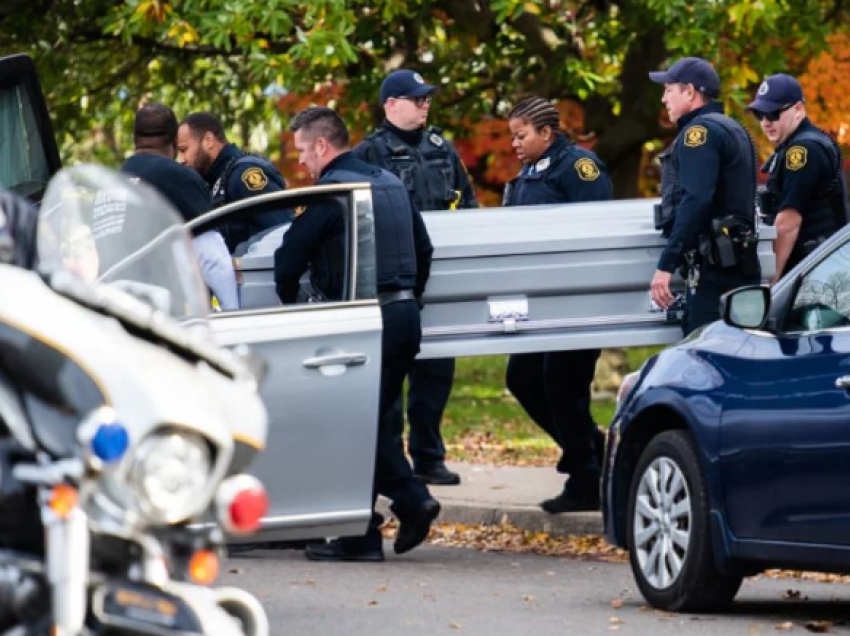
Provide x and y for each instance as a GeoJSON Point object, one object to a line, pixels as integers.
{"type": "Point", "coordinates": [776, 92]}
{"type": "Point", "coordinates": [404, 83]}
{"type": "Point", "coordinates": [690, 70]}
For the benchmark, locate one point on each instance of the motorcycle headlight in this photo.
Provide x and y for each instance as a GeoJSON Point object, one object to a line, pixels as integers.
{"type": "Point", "coordinates": [170, 473]}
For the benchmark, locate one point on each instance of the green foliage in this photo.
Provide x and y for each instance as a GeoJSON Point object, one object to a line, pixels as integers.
{"type": "Point", "coordinates": [100, 58]}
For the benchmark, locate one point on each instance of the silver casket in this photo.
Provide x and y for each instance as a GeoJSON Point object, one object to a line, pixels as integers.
{"type": "Point", "coordinates": [525, 279]}
{"type": "Point", "coordinates": [548, 278]}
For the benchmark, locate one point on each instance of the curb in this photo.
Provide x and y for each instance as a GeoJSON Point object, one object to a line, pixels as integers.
{"type": "Point", "coordinates": [529, 518]}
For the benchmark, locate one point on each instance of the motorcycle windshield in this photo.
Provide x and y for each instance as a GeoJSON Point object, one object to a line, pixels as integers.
{"type": "Point", "coordinates": [107, 228]}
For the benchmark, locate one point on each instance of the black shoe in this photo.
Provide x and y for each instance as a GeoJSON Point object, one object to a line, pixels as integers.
{"type": "Point", "coordinates": [568, 502]}
{"type": "Point", "coordinates": [412, 533]}
{"type": "Point", "coordinates": [439, 475]}
{"type": "Point", "coordinates": [346, 549]}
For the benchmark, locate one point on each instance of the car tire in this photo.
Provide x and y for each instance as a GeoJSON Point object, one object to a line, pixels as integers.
{"type": "Point", "coordinates": [669, 534]}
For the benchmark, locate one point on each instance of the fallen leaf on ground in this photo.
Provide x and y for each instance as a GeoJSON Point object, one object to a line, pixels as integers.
{"type": "Point", "coordinates": [528, 598]}
{"type": "Point", "coordinates": [615, 620]}
{"type": "Point", "coordinates": [617, 603]}
{"type": "Point", "coordinates": [372, 602]}
{"type": "Point", "coordinates": [455, 625]}
{"type": "Point", "coordinates": [785, 626]}
{"type": "Point", "coordinates": [820, 577]}
{"type": "Point", "coordinates": [506, 537]}
{"type": "Point", "coordinates": [819, 627]}
{"type": "Point", "coordinates": [382, 588]}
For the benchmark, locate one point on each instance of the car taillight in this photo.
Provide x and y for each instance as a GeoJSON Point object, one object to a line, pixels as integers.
{"type": "Point", "coordinates": [241, 502]}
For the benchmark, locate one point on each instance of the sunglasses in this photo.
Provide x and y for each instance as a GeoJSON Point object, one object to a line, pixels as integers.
{"type": "Point", "coordinates": [772, 117]}
{"type": "Point", "coordinates": [419, 102]}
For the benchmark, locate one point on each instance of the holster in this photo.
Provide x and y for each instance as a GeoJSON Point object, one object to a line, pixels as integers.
{"type": "Point", "coordinates": [732, 243]}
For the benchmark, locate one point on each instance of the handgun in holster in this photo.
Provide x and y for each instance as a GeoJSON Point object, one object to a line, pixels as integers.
{"type": "Point", "coordinates": [767, 204]}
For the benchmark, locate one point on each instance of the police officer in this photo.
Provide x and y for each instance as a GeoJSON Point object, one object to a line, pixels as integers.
{"type": "Point", "coordinates": [554, 388]}
{"type": "Point", "coordinates": [708, 195]}
{"type": "Point", "coordinates": [806, 192]}
{"type": "Point", "coordinates": [155, 141]}
{"type": "Point", "coordinates": [403, 263]}
{"type": "Point", "coordinates": [433, 173]}
{"type": "Point", "coordinates": [231, 174]}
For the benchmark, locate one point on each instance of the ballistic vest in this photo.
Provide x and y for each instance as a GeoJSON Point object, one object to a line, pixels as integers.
{"type": "Point", "coordinates": [426, 170]}
{"type": "Point", "coordinates": [395, 253]}
{"type": "Point", "coordinates": [827, 212]}
{"type": "Point", "coordinates": [735, 192]}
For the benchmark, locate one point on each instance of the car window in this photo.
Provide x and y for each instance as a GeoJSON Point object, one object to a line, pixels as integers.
{"type": "Point", "coordinates": [339, 270]}
{"type": "Point", "coordinates": [23, 164]}
{"type": "Point", "coordinates": [823, 298]}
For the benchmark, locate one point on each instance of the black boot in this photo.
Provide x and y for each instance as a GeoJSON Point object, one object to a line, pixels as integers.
{"type": "Point", "coordinates": [439, 475]}
{"type": "Point", "coordinates": [365, 549]}
{"type": "Point", "coordinates": [579, 495]}
{"type": "Point", "coordinates": [414, 531]}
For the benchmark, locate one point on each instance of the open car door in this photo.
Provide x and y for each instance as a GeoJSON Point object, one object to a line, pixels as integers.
{"type": "Point", "coordinates": [28, 152]}
{"type": "Point", "coordinates": [324, 357]}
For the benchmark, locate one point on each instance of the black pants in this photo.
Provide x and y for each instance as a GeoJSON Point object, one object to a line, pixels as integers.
{"type": "Point", "coordinates": [703, 303]}
{"type": "Point", "coordinates": [554, 388]}
{"type": "Point", "coordinates": [393, 476]}
{"type": "Point", "coordinates": [430, 385]}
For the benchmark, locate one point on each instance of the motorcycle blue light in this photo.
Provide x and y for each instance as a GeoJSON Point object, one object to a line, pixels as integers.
{"type": "Point", "coordinates": [110, 442]}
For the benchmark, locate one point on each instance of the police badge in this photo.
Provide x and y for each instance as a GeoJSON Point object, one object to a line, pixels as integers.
{"type": "Point", "coordinates": [436, 140]}
{"type": "Point", "coordinates": [541, 165]}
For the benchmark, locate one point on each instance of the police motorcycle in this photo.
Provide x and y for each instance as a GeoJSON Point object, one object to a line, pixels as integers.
{"type": "Point", "coordinates": [122, 433]}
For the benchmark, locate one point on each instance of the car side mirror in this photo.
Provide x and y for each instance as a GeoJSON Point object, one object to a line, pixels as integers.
{"type": "Point", "coordinates": [746, 307]}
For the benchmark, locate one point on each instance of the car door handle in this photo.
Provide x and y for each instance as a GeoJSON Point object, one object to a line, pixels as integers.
{"type": "Point", "coordinates": [337, 359]}
{"type": "Point", "coordinates": [843, 382]}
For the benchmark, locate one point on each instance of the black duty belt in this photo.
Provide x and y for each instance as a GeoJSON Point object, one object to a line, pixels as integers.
{"type": "Point", "coordinates": [395, 297]}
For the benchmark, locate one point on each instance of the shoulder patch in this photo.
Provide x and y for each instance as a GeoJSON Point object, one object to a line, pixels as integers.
{"type": "Point", "coordinates": [587, 169]}
{"type": "Point", "coordinates": [796, 157]}
{"type": "Point", "coordinates": [254, 179]}
{"type": "Point", "coordinates": [696, 136]}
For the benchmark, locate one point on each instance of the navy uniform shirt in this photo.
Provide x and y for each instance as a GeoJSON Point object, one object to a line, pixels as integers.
{"type": "Point", "coordinates": [804, 170]}
{"type": "Point", "coordinates": [701, 148]}
{"type": "Point", "coordinates": [565, 173]}
{"type": "Point", "coordinates": [248, 176]}
{"type": "Point", "coordinates": [317, 233]}
{"type": "Point", "coordinates": [182, 186]}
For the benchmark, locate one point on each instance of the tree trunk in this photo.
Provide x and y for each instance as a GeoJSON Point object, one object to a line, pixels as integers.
{"type": "Point", "coordinates": [621, 138]}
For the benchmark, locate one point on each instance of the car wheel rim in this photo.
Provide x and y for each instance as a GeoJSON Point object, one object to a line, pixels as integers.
{"type": "Point", "coordinates": [662, 523]}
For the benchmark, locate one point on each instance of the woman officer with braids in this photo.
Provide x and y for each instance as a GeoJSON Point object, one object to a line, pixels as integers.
{"type": "Point", "coordinates": [554, 387]}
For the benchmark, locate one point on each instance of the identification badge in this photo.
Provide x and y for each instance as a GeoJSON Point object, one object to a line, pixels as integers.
{"type": "Point", "coordinates": [541, 165]}
{"type": "Point", "coordinates": [436, 140]}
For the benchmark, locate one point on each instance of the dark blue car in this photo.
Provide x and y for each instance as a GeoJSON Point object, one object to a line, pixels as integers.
{"type": "Point", "coordinates": [730, 451]}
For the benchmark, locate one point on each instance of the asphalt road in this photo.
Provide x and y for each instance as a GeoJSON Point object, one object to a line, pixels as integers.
{"type": "Point", "coordinates": [457, 591]}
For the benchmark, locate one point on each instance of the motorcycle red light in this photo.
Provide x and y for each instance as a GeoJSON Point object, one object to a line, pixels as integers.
{"type": "Point", "coordinates": [247, 509]}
